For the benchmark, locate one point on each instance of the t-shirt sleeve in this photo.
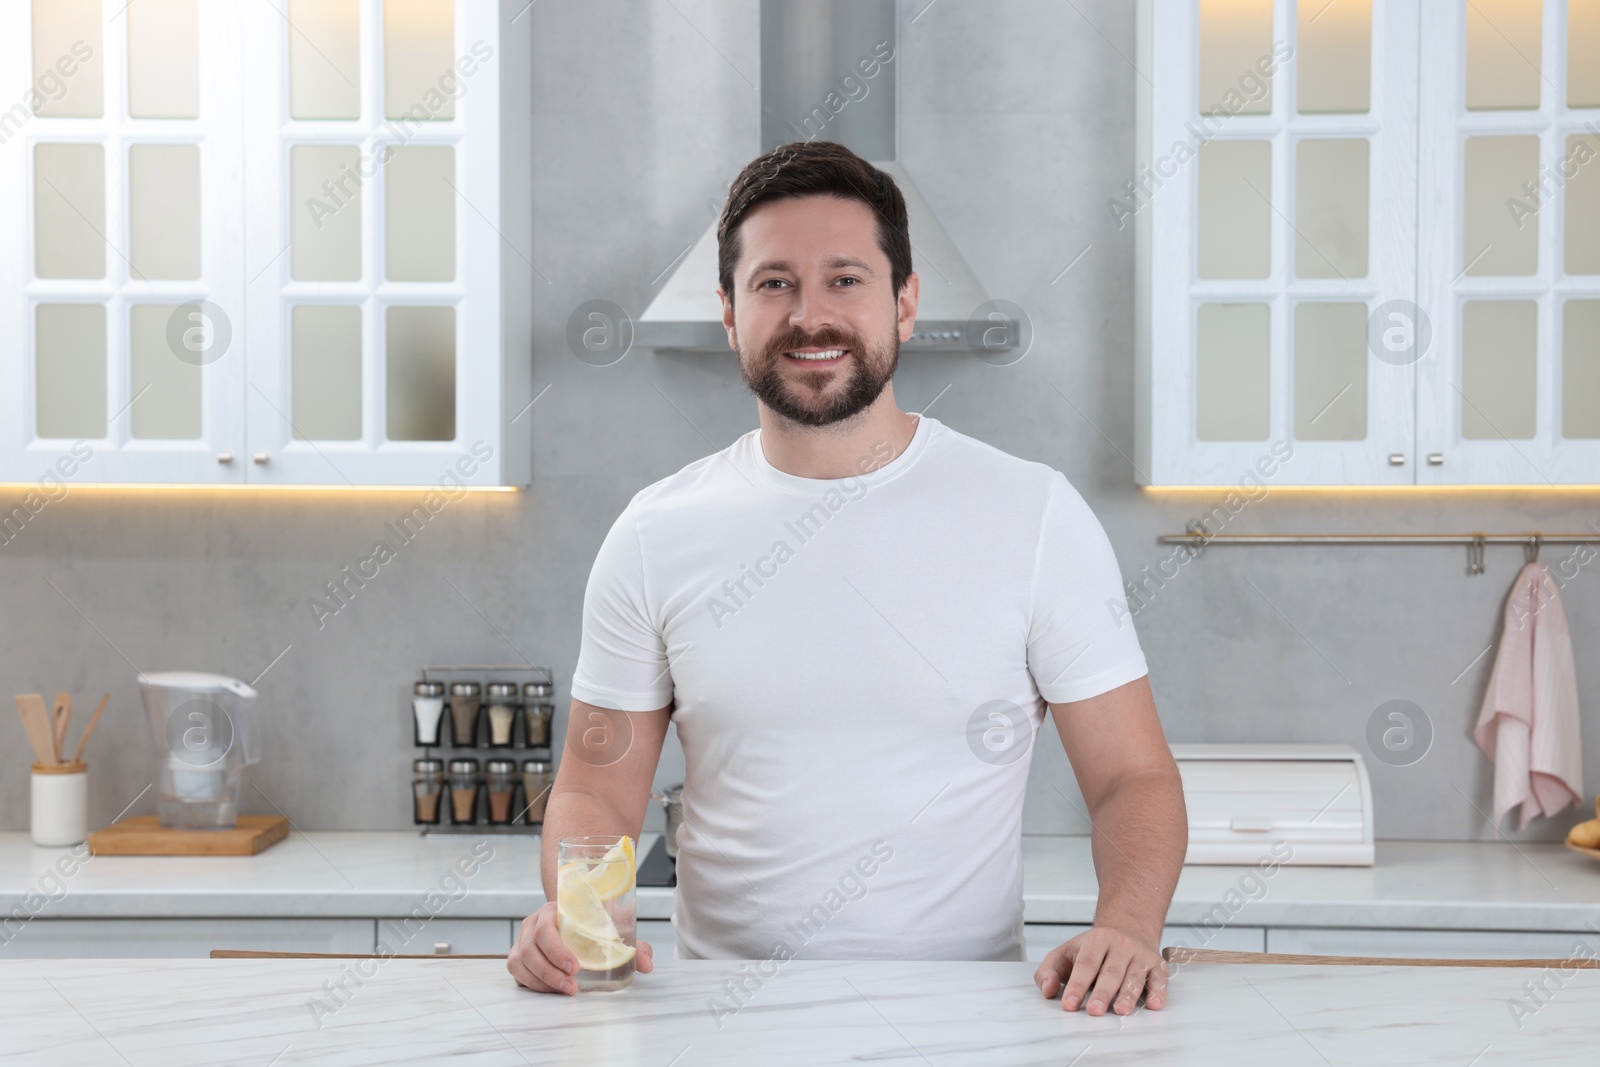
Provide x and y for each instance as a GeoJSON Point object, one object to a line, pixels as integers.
{"type": "Point", "coordinates": [1081, 640]}
{"type": "Point", "coordinates": [622, 659]}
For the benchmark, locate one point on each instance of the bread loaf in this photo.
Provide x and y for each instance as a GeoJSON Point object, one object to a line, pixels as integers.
{"type": "Point", "coordinates": [1585, 834]}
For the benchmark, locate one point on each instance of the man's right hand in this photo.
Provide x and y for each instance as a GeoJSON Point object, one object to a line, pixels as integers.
{"type": "Point", "coordinates": [541, 961]}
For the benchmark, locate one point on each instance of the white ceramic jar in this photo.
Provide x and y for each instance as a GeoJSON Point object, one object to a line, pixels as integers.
{"type": "Point", "coordinates": [60, 804]}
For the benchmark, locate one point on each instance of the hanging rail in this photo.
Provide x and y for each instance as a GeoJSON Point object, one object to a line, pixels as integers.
{"type": "Point", "coordinates": [1197, 537]}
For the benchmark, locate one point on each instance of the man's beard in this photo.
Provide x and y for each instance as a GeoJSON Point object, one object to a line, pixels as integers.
{"type": "Point", "coordinates": [867, 372]}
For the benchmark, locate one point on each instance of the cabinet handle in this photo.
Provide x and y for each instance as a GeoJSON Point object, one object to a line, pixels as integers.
{"type": "Point", "coordinates": [261, 459]}
{"type": "Point", "coordinates": [441, 948]}
{"type": "Point", "coordinates": [1436, 459]}
{"type": "Point", "coordinates": [224, 457]}
{"type": "Point", "coordinates": [1397, 459]}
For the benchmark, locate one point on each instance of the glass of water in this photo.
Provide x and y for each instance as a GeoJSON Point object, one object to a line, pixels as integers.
{"type": "Point", "coordinates": [595, 908]}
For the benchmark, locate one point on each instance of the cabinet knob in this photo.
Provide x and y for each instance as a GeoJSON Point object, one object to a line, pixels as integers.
{"type": "Point", "coordinates": [1436, 459]}
{"type": "Point", "coordinates": [224, 457]}
{"type": "Point", "coordinates": [1397, 459]}
{"type": "Point", "coordinates": [441, 948]}
{"type": "Point", "coordinates": [260, 458]}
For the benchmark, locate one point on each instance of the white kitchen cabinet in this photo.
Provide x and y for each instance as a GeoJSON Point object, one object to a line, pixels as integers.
{"type": "Point", "coordinates": [121, 214]}
{"type": "Point", "coordinates": [1229, 938]}
{"type": "Point", "coordinates": [1040, 938]}
{"type": "Point", "coordinates": [1362, 261]}
{"type": "Point", "coordinates": [390, 237]}
{"type": "Point", "coordinates": [265, 244]}
{"type": "Point", "coordinates": [150, 938]}
{"type": "Point", "coordinates": [1510, 241]}
{"type": "Point", "coordinates": [1423, 944]}
{"type": "Point", "coordinates": [659, 932]}
{"type": "Point", "coordinates": [1274, 202]}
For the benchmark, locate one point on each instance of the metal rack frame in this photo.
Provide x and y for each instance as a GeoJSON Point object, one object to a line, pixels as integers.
{"type": "Point", "coordinates": [1197, 538]}
{"type": "Point", "coordinates": [445, 668]}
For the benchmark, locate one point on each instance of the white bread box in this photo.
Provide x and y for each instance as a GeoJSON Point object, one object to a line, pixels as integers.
{"type": "Point", "coordinates": [1249, 803]}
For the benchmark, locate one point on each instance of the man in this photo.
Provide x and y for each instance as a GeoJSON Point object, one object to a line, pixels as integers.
{"type": "Point", "coordinates": [856, 616]}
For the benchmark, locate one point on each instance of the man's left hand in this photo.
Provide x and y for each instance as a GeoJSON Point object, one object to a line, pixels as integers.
{"type": "Point", "coordinates": [1109, 967]}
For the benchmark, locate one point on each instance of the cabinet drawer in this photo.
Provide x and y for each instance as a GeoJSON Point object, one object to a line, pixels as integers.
{"type": "Point", "coordinates": [458, 936]}
{"type": "Point", "coordinates": [1443, 944]}
{"type": "Point", "coordinates": [194, 938]}
{"type": "Point", "coordinates": [1040, 938]}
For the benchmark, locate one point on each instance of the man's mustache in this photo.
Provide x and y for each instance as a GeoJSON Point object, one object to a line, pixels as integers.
{"type": "Point", "coordinates": [822, 339]}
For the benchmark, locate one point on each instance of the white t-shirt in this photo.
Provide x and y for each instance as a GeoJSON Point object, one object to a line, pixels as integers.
{"type": "Point", "coordinates": [860, 667]}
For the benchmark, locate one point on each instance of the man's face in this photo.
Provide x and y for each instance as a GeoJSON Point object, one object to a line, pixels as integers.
{"type": "Point", "coordinates": [812, 281]}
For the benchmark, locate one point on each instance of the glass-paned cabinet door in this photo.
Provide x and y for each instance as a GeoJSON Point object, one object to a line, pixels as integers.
{"type": "Point", "coordinates": [1274, 202]}
{"type": "Point", "coordinates": [374, 187]}
{"type": "Point", "coordinates": [1510, 238]}
{"type": "Point", "coordinates": [121, 292]}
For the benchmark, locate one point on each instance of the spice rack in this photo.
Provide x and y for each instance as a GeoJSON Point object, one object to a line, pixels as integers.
{"type": "Point", "coordinates": [506, 714]}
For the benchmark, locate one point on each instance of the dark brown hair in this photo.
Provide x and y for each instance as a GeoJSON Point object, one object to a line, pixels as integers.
{"type": "Point", "coordinates": [815, 168]}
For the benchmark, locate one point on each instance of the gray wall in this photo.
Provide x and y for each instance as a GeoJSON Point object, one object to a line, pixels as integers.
{"type": "Point", "coordinates": [1017, 124]}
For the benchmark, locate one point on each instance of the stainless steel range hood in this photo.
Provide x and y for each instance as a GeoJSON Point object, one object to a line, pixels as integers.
{"type": "Point", "coordinates": [813, 87]}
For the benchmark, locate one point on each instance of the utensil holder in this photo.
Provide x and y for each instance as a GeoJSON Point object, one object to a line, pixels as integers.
{"type": "Point", "coordinates": [60, 804]}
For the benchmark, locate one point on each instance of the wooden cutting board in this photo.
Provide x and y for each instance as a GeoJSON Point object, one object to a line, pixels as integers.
{"type": "Point", "coordinates": [143, 835]}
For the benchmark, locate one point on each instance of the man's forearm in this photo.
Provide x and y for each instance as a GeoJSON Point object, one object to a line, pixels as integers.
{"type": "Point", "coordinates": [573, 814]}
{"type": "Point", "coordinates": [1140, 835]}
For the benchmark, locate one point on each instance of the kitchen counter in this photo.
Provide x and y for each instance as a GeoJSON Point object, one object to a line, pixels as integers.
{"type": "Point", "coordinates": [1420, 884]}
{"type": "Point", "coordinates": [1417, 884]}
{"type": "Point", "coordinates": [803, 1012]}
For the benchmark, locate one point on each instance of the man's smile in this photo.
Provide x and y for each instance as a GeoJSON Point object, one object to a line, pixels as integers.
{"type": "Point", "coordinates": [824, 357]}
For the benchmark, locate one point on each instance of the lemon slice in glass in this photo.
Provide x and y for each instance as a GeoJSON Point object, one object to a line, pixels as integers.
{"type": "Point", "coordinates": [613, 873]}
{"type": "Point", "coordinates": [597, 954]}
{"type": "Point", "coordinates": [579, 908]}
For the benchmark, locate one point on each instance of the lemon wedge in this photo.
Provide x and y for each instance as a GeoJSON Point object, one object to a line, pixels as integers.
{"type": "Point", "coordinates": [597, 954]}
{"type": "Point", "coordinates": [614, 872]}
{"type": "Point", "coordinates": [578, 907]}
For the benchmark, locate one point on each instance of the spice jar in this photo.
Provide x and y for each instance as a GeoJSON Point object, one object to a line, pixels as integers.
{"type": "Point", "coordinates": [463, 791]}
{"type": "Point", "coordinates": [500, 783]}
{"type": "Point", "coordinates": [427, 705]}
{"type": "Point", "coordinates": [502, 713]}
{"type": "Point", "coordinates": [537, 778]}
{"type": "Point", "coordinates": [464, 704]}
{"type": "Point", "coordinates": [427, 787]}
{"type": "Point", "coordinates": [537, 708]}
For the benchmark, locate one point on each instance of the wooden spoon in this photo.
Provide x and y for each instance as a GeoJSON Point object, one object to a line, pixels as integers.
{"type": "Point", "coordinates": [84, 740]}
{"type": "Point", "coordinates": [36, 721]}
{"type": "Point", "coordinates": [63, 715]}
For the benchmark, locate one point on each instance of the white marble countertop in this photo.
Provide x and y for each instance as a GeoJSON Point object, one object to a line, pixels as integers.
{"type": "Point", "coordinates": [1440, 885]}
{"type": "Point", "coordinates": [177, 1012]}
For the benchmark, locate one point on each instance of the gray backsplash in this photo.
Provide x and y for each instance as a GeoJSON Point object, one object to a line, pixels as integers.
{"type": "Point", "coordinates": [1017, 124]}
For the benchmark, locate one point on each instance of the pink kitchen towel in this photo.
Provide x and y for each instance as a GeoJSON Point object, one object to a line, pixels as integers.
{"type": "Point", "coordinates": [1529, 723]}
